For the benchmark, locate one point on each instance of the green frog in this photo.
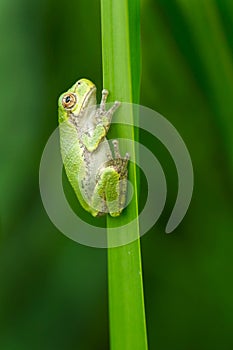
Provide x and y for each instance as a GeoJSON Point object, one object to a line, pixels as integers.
{"type": "Point", "coordinates": [97, 175]}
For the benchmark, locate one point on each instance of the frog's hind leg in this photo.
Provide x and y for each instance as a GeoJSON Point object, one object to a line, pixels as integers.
{"type": "Point", "coordinates": [110, 191]}
{"type": "Point", "coordinates": [107, 192]}
{"type": "Point", "coordinates": [121, 165]}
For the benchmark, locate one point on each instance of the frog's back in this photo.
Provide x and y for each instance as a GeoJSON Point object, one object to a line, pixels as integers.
{"type": "Point", "coordinates": [73, 157]}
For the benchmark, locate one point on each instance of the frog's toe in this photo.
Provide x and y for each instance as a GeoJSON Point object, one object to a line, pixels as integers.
{"type": "Point", "coordinates": [105, 92]}
{"type": "Point", "coordinates": [127, 156]}
{"type": "Point", "coordinates": [116, 149]}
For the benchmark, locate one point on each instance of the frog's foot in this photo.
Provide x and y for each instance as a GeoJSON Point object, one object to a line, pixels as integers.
{"type": "Point", "coordinates": [120, 165]}
{"type": "Point", "coordinates": [117, 152]}
{"type": "Point", "coordinates": [104, 116]}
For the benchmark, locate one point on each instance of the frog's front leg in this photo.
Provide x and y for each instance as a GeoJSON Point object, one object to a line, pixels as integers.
{"type": "Point", "coordinates": [110, 191]}
{"type": "Point", "coordinates": [102, 109]}
{"type": "Point", "coordinates": [103, 119]}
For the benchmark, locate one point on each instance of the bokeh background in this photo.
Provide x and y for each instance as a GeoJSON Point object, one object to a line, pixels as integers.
{"type": "Point", "coordinates": [53, 291]}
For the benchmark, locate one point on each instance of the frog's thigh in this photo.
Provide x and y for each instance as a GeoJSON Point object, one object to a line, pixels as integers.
{"type": "Point", "coordinates": [108, 189]}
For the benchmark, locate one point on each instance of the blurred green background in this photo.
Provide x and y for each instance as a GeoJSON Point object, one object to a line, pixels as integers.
{"type": "Point", "coordinates": [53, 292]}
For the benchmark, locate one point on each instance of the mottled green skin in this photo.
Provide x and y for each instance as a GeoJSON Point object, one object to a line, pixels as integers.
{"type": "Point", "coordinates": [72, 157]}
{"type": "Point", "coordinates": [98, 179]}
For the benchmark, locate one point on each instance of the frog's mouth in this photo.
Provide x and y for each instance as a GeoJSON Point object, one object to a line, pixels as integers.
{"type": "Point", "coordinates": [87, 98]}
{"type": "Point", "coordinates": [79, 110]}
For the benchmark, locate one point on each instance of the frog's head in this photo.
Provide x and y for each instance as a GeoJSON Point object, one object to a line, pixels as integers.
{"type": "Point", "coordinates": [80, 96]}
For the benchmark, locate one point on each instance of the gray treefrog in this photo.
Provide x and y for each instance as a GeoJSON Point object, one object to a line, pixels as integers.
{"type": "Point", "coordinates": [98, 179]}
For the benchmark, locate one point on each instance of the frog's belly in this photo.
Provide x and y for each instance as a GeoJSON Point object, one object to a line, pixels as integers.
{"type": "Point", "coordinates": [94, 161]}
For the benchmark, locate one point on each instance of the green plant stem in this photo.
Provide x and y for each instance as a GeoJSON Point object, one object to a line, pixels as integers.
{"type": "Point", "coordinates": [121, 76]}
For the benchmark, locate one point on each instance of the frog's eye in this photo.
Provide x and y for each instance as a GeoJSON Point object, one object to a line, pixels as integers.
{"type": "Point", "coordinates": [69, 100]}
